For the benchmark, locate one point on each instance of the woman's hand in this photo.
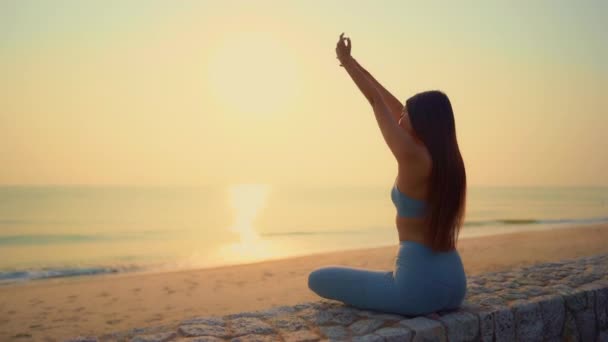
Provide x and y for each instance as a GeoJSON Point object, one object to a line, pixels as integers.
{"type": "Point", "coordinates": [343, 50]}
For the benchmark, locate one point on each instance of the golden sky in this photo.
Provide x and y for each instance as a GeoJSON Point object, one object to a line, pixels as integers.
{"type": "Point", "coordinates": [223, 92]}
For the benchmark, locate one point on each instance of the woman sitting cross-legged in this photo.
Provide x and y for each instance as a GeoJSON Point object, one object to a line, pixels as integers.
{"type": "Point", "coordinates": [429, 194]}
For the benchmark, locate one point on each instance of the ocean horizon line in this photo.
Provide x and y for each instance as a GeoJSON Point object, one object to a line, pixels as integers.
{"type": "Point", "coordinates": [331, 185]}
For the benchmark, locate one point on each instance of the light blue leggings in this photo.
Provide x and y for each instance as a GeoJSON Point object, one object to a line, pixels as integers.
{"type": "Point", "coordinates": [422, 282]}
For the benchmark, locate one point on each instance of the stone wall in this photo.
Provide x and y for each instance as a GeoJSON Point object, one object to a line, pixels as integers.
{"type": "Point", "coordinates": [558, 301]}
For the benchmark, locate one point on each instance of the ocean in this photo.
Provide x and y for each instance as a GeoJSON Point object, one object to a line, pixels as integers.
{"type": "Point", "coordinates": [70, 231]}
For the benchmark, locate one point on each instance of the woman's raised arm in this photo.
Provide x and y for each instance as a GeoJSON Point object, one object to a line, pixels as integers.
{"type": "Point", "coordinates": [347, 61]}
{"type": "Point", "coordinates": [371, 93]}
{"type": "Point", "coordinates": [361, 80]}
{"type": "Point", "coordinates": [399, 142]}
{"type": "Point", "coordinates": [394, 104]}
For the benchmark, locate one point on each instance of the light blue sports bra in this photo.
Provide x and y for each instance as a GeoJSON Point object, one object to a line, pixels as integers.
{"type": "Point", "coordinates": [406, 206]}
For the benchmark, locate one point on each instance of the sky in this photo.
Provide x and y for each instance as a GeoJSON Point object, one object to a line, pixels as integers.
{"type": "Point", "coordinates": [229, 92]}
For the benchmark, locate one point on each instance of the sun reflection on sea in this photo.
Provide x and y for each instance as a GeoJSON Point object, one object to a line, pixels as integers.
{"type": "Point", "coordinates": [247, 200]}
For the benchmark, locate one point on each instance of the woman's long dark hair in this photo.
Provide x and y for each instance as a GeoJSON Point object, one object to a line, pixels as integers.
{"type": "Point", "coordinates": [432, 120]}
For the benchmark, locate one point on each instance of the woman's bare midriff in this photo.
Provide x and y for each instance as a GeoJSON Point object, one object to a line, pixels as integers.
{"type": "Point", "coordinates": [410, 229]}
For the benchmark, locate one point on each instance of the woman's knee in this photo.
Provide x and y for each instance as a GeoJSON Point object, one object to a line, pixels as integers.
{"type": "Point", "coordinates": [313, 280]}
{"type": "Point", "coordinates": [319, 279]}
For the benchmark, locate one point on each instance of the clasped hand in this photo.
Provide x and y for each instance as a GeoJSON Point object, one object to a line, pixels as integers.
{"type": "Point", "coordinates": [343, 50]}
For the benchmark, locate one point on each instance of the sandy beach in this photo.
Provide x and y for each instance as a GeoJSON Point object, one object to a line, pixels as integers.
{"type": "Point", "coordinates": [55, 309]}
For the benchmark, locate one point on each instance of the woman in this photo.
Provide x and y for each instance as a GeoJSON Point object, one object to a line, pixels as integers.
{"type": "Point", "coordinates": [429, 194]}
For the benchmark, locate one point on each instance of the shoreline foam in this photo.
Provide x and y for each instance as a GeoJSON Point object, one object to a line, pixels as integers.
{"type": "Point", "coordinates": [26, 275]}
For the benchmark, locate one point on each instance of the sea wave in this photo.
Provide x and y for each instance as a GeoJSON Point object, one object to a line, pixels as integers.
{"type": "Point", "coordinates": [531, 221]}
{"type": "Point", "coordinates": [51, 239]}
{"type": "Point", "coordinates": [43, 239]}
{"type": "Point", "coordinates": [14, 276]}
{"type": "Point", "coordinates": [477, 223]}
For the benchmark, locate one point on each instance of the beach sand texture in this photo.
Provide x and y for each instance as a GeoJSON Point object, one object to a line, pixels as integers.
{"type": "Point", "coordinates": [55, 309]}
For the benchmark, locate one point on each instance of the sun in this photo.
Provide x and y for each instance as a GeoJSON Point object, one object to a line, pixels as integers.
{"type": "Point", "coordinates": [253, 74]}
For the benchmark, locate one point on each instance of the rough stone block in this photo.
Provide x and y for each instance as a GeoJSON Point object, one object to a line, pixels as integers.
{"type": "Point", "coordinates": [334, 331]}
{"type": "Point", "coordinates": [365, 326]}
{"type": "Point", "coordinates": [601, 308]}
{"type": "Point", "coordinates": [528, 321]}
{"type": "Point", "coordinates": [554, 339]}
{"type": "Point", "coordinates": [570, 332]}
{"type": "Point", "coordinates": [303, 305]}
{"type": "Point", "coordinates": [576, 301]}
{"type": "Point", "coordinates": [380, 315]}
{"type": "Point", "coordinates": [585, 319]}
{"type": "Point", "coordinates": [251, 314]}
{"type": "Point", "coordinates": [256, 338]}
{"type": "Point", "coordinates": [461, 326]}
{"type": "Point", "coordinates": [206, 321]}
{"type": "Point", "coordinates": [148, 330]}
{"type": "Point", "coordinates": [425, 329]}
{"type": "Point", "coordinates": [82, 339]}
{"type": "Point", "coordinates": [303, 335]}
{"type": "Point", "coordinates": [343, 318]}
{"type": "Point", "coordinates": [158, 337]}
{"type": "Point", "coordinates": [553, 311]}
{"type": "Point", "coordinates": [247, 326]}
{"type": "Point", "coordinates": [203, 330]}
{"type": "Point", "coordinates": [395, 334]}
{"type": "Point", "coordinates": [200, 339]}
{"type": "Point", "coordinates": [504, 326]}
{"type": "Point", "coordinates": [288, 323]}
{"type": "Point", "coordinates": [491, 301]}
{"type": "Point", "coordinates": [277, 311]}
{"type": "Point", "coordinates": [368, 338]}
{"type": "Point", "coordinates": [315, 316]}
{"type": "Point", "coordinates": [486, 326]}
{"type": "Point", "coordinates": [389, 317]}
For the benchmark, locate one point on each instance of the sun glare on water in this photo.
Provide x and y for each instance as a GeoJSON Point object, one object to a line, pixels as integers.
{"type": "Point", "coordinates": [247, 201]}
